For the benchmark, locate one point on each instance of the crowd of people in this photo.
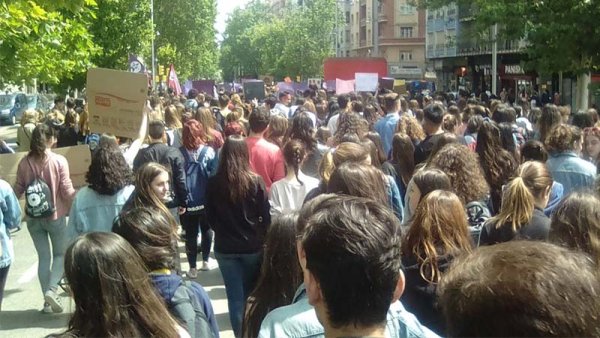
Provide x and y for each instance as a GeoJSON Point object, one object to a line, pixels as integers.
{"type": "Point", "coordinates": [329, 215]}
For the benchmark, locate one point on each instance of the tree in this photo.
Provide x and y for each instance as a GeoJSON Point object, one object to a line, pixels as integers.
{"type": "Point", "coordinates": [293, 44]}
{"type": "Point", "coordinates": [121, 27]}
{"type": "Point", "coordinates": [239, 56]}
{"type": "Point", "coordinates": [560, 34]}
{"type": "Point", "coordinates": [187, 28]}
{"type": "Point", "coordinates": [47, 40]}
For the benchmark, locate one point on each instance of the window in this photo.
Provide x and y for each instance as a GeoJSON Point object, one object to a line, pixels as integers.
{"type": "Point", "coordinates": [405, 56]}
{"type": "Point", "coordinates": [381, 28]}
{"type": "Point", "coordinates": [406, 9]}
{"type": "Point", "coordinates": [406, 32]}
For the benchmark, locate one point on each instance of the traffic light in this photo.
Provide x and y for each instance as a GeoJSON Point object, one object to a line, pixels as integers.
{"type": "Point", "coordinates": [161, 70]}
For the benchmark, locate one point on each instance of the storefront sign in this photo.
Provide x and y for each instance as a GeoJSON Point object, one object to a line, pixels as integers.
{"type": "Point", "coordinates": [513, 70]}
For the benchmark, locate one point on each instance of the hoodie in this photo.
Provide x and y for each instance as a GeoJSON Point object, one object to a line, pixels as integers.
{"type": "Point", "coordinates": [166, 285]}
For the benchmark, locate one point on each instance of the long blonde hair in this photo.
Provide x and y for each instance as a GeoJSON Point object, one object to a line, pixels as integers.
{"type": "Point", "coordinates": [439, 228]}
{"type": "Point", "coordinates": [518, 200]}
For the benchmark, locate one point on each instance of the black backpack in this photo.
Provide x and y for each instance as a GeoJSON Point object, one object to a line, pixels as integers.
{"type": "Point", "coordinates": [186, 308]}
{"type": "Point", "coordinates": [38, 197]}
{"type": "Point", "coordinates": [478, 213]}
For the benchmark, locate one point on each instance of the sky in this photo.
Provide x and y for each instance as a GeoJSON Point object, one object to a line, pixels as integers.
{"type": "Point", "coordinates": [224, 7]}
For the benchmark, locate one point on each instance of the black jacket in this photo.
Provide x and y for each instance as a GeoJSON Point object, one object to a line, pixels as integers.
{"type": "Point", "coordinates": [419, 297]}
{"type": "Point", "coordinates": [537, 229]}
{"type": "Point", "coordinates": [239, 227]}
{"type": "Point", "coordinates": [172, 159]}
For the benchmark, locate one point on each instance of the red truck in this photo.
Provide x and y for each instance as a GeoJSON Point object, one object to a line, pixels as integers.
{"type": "Point", "coordinates": [345, 68]}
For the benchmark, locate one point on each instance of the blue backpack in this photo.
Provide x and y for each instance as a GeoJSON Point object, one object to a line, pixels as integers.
{"type": "Point", "coordinates": [196, 176]}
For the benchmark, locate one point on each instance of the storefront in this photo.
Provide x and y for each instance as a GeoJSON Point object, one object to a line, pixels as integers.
{"type": "Point", "coordinates": [515, 80]}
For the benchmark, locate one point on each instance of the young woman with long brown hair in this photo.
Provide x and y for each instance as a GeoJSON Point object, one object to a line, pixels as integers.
{"type": "Point", "coordinates": [214, 138]}
{"type": "Point", "coordinates": [522, 213]}
{"type": "Point", "coordinates": [280, 274]}
{"type": "Point", "coordinates": [49, 233]}
{"type": "Point", "coordinates": [112, 291]}
{"type": "Point", "coordinates": [152, 188]}
{"type": "Point", "coordinates": [238, 211]}
{"type": "Point", "coordinates": [438, 232]}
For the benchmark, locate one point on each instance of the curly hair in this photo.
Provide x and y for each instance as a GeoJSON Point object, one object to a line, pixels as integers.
{"type": "Point", "coordinates": [108, 172]}
{"type": "Point", "coordinates": [462, 167]}
{"type": "Point", "coordinates": [349, 123]}
{"type": "Point", "coordinates": [562, 138]}
{"type": "Point", "coordinates": [410, 126]}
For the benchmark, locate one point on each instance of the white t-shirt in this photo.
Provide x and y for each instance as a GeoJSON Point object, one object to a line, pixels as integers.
{"type": "Point", "coordinates": [333, 123]}
{"type": "Point", "coordinates": [288, 194]}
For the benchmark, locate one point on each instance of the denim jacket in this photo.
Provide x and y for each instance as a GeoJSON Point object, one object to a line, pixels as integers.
{"type": "Point", "coordinates": [571, 171]}
{"type": "Point", "coordinates": [10, 218]}
{"type": "Point", "coordinates": [299, 320]}
{"type": "Point", "coordinates": [94, 212]}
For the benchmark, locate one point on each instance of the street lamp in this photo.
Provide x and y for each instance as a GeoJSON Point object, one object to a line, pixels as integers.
{"type": "Point", "coordinates": [337, 29]}
{"type": "Point", "coordinates": [153, 51]}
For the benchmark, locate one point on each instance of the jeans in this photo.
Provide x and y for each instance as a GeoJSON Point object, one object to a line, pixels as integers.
{"type": "Point", "coordinates": [3, 277]}
{"type": "Point", "coordinates": [50, 240]}
{"type": "Point", "coordinates": [240, 272]}
{"type": "Point", "coordinates": [190, 224]}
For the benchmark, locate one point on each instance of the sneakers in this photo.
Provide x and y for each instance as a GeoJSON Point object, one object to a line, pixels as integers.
{"type": "Point", "coordinates": [205, 266]}
{"type": "Point", "coordinates": [193, 273]}
{"type": "Point", "coordinates": [47, 308]}
{"type": "Point", "coordinates": [53, 300]}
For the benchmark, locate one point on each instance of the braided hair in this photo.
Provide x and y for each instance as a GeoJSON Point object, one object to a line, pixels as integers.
{"type": "Point", "coordinates": [294, 153]}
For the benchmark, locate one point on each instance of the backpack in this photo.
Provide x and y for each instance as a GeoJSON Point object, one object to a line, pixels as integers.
{"type": "Point", "coordinates": [186, 308]}
{"type": "Point", "coordinates": [478, 213]}
{"type": "Point", "coordinates": [199, 169]}
{"type": "Point", "coordinates": [38, 197]}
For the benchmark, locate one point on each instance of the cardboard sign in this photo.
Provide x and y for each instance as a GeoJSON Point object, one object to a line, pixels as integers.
{"type": "Point", "coordinates": [366, 82]}
{"type": "Point", "coordinates": [254, 90]}
{"type": "Point", "coordinates": [79, 158]}
{"type": "Point", "coordinates": [315, 82]}
{"type": "Point", "coordinates": [116, 101]}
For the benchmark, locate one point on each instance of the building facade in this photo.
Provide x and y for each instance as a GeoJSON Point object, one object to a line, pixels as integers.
{"type": "Point", "coordinates": [392, 29]}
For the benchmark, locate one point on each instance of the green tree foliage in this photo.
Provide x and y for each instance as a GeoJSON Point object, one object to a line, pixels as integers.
{"type": "Point", "coordinates": [47, 40]}
{"type": "Point", "coordinates": [256, 42]}
{"type": "Point", "coordinates": [561, 35]}
{"type": "Point", "coordinates": [187, 36]}
{"type": "Point", "coordinates": [121, 27]}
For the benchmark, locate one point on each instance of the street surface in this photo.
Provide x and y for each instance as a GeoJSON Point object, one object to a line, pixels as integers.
{"type": "Point", "coordinates": [21, 314]}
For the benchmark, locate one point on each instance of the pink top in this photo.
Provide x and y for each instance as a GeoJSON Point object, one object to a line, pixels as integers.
{"type": "Point", "coordinates": [55, 171]}
{"type": "Point", "coordinates": [266, 160]}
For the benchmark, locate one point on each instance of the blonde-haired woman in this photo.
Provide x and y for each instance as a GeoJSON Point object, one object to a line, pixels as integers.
{"type": "Point", "coordinates": [522, 213]}
{"type": "Point", "coordinates": [439, 232]}
{"type": "Point", "coordinates": [28, 123]}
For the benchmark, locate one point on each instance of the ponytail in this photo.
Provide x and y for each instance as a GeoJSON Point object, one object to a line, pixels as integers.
{"type": "Point", "coordinates": [517, 205]}
{"type": "Point", "coordinates": [294, 153]}
{"type": "Point", "coordinates": [518, 200]}
{"type": "Point", "coordinates": [39, 140]}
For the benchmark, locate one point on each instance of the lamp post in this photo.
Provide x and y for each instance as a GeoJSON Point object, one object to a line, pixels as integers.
{"type": "Point", "coordinates": [153, 51]}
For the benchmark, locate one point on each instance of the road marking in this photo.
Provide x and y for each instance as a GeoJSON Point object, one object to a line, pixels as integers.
{"type": "Point", "coordinates": [28, 275]}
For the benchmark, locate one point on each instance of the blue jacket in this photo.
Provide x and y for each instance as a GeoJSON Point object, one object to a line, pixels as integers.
{"type": "Point", "coordinates": [299, 320]}
{"type": "Point", "coordinates": [386, 128]}
{"type": "Point", "coordinates": [199, 165]}
{"type": "Point", "coordinates": [93, 212]}
{"type": "Point", "coordinates": [571, 171]}
{"type": "Point", "coordinates": [10, 218]}
{"type": "Point", "coordinates": [166, 286]}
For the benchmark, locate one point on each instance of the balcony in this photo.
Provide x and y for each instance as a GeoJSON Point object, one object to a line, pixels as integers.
{"type": "Point", "coordinates": [382, 17]}
{"type": "Point", "coordinates": [363, 22]}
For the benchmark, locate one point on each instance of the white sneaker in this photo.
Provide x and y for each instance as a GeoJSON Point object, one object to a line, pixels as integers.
{"type": "Point", "coordinates": [47, 308]}
{"type": "Point", "coordinates": [205, 266]}
{"type": "Point", "coordinates": [54, 300]}
{"type": "Point", "coordinates": [193, 273]}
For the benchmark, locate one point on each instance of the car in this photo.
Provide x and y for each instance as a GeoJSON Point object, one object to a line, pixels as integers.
{"type": "Point", "coordinates": [12, 107]}
{"type": "Point", "coordinates": [40, 102]}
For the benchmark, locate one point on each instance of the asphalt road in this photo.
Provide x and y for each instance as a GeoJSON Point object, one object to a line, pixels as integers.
{"type": "Point", "coordinates": [21, 314]}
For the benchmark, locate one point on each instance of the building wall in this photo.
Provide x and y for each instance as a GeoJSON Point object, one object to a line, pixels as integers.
{"type": "Point", "coordinates": [401, 38]}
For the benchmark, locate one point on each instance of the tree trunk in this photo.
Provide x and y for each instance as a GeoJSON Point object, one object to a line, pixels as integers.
{"type": "Point", "coordinates": [583, 92]}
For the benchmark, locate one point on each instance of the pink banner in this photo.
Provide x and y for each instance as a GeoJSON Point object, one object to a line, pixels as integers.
{"type": "Point", "coordinates": [174, 81]}
{"type": "Point", "coordinates": [344, 86]}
